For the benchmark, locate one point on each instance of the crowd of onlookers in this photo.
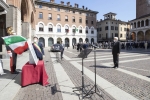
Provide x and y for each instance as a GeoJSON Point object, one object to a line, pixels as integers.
{"type": "Point", "coordinates": [108, 45]}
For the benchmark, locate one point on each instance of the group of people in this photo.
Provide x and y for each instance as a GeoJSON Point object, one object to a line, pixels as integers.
{"type": "Point", "coordinates": [130, 45]}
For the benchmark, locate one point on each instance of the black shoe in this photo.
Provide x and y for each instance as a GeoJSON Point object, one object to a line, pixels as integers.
{"type": "Point", "coordinates": [114, 67]}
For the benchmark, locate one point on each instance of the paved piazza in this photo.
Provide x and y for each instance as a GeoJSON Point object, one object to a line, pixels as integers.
{"type": "Point", "coordinates": [131, 81]}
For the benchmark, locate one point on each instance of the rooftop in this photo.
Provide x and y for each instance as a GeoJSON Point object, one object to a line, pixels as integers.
{"type": "Point", "coordinates": [66, 6]}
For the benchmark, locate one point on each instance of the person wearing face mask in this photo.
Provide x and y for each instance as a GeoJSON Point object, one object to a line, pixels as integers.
{"type": "Point", "coordinates": [38, 48]}
{"type": "Point", "coordinates": [116, 52]}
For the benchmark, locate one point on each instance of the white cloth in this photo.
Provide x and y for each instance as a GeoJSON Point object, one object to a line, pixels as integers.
{"type": "Point", "coordinates": [1, 68]}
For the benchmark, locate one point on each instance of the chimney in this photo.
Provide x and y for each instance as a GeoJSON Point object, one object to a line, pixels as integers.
{"type": "Point", "coordinates": [86, 8]}
{"type": "Point", "coordinates": [68, 3]}
{"type": "Point", "coordinates": [52, 1]}
{"type": "Point", "coordinates": [62, 2]}
{"type": "Point", "coordinates": [75, 5]}
{"type": "Point", "coordinates": [82, 7]}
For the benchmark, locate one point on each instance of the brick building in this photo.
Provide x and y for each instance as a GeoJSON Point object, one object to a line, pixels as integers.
{"type": "Point", "coordinates": [20, 15]}
{"type": "Point", "coordinates": [140, 26]}
{"type": "Point", "coordinates": [67, 23]}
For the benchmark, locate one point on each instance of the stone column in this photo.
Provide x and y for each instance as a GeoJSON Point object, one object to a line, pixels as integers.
{"type": "Point", "coordinates": [46, 41]}
{"type": "Point", "coordinates": [26, 30]}
{"type": "Point", "coordinates": [136, 36]}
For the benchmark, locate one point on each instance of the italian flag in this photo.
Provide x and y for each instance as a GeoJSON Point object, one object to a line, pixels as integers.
{"type": "Point", "coordinates": [17, 43]}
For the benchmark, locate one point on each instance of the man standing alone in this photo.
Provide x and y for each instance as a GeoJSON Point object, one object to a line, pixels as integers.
{"type": "Point", "coordinates": [62, 46]}
{"type": "Point", "coordinates": [116, 52]}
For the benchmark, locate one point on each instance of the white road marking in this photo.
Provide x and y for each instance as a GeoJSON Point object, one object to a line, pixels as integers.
{"type": "Point", "coordinates": [70, 52]}
{"type": "Point", "coordinates": [62, 76]}
{"type": "Point", "coordinates": [136, 69]}
{"type": "Point", "coordinates": [130, 73]}
{"type": "Point", "coordinates": [86, 60]}
{"type": "Point", "coordinates": [111, 89]}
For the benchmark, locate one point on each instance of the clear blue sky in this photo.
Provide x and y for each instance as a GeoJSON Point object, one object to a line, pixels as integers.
{"type": "Point", "coordinates": [125, 9]}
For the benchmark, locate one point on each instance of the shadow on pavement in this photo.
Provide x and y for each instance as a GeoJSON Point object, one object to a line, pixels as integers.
{"type": "Point", "coordinates": [100, 66]}
{"type": "Point", "coordinates": [8, 75]}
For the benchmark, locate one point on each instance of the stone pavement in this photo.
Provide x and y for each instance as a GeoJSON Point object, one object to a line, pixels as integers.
{"type": "Point", "coordinates": [131, 81]}
{"type": "Point", "coordinates": [10, 83]}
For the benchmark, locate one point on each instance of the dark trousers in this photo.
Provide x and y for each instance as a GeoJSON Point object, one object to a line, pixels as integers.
{"type": "Point", "coordinates": [115, 60]}
{"type": "Point", "coordinates": [13, 62]}
{"type": "Point", "coordinates": [61, 53]}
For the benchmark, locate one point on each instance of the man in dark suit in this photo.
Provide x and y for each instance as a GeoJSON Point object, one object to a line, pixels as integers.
{"type": "Point", "coordinates": [116, 52]}
{"type": "Point", "coordinates": [38, 47]}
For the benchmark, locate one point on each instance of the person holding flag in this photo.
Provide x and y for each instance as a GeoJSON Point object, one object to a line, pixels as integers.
{"type": "Point", "coordinates": [14, 45]}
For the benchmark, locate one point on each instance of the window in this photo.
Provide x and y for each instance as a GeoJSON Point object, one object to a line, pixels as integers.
{"type": "Point", "coordinates": [73, 19]}
{"type": "Point", "coordinates": [112, 27]}
{"type": "Point", "coordinates": [58, 17]}
{"type": "Point", "coordinates": [49, 16]}
{"type": "Point", "coordinates": [73, 11]}
{"type": "Point", "coordinates": [116, 34]}
{"type": "Point", "coordinates": [120, 35]}
{"type": "Point", "coordinates": [92, 22]}
{"type": "Point", "coordinates": [66, 29]}
{"type": "Point", "coordinates": [112, 22]}
{"type": "Point", "coordinates": [40, 15]}
{"type": "Point", "coordinates": [50, 28]}
{"type": "Point", "coordinates": [112, 35]}
{"type": "Point", "coordinates": [86, 21]}
{"type": "Point", "coordinates": [121, 28]}
{"type": "Point", "coordinates": [97, 29]}
{"type": "Point", "coordinates": [116, 28]}
{"type": "Point", "coordinates": [106, 22]}
{"type": "Point", "coordinates": [40, 6]}
{"type": "Point", "coordinates": [92, 30]}
{"type": "Point", "coordinates": [106, 27]}
{"type": "Point", "coordinates": [58, 9]}
{"type": "Point", "coordinates": [80, 20]}
{"type": "Point", "coordinates": [74, 29]}
{"type": "Point", "coordinates": [100, 29]}
{"type": "Point", "coordinates": [41, 27]}
{"type": "Point", "coordinates": [66, 18]}
{"type": "Point", "coordinates": [58, 28]}
{"type": "Point", "coordinates": [106, 35]}
{"type": "Point", "coordinates": [87, 14]}
{"type": "Point", "coordinates": [125, 29]}
{"type": "Point", "coordinates": [80, 29]}
{"type": "Point", "coordinates": [99, 35]}
{"type": "Point", "coordinates": [86, 30]}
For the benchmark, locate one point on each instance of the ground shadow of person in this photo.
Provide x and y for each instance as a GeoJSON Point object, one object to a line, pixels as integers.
{"type": "Point", "coordinates": [100, 66]}
{"type": "Point", "coordinates": [13, 77]}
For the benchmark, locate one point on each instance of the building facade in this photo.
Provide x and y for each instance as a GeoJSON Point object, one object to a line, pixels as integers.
{"type": "Point", "coordinates": [67, 23]}
{"type": "Point", "coordinates": [110, 27]}
{"type": "Point", "coordinates": [20, 16]}
{"type": "Point", "coordinates": [140, 26]}
{"type": "Point", "coordinates": [3, 11]}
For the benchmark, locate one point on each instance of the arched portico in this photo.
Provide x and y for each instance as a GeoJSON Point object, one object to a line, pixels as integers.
{"type": "Point", "coordinates": [140, 36]}
{"type": "Point", "coordinates": [147, 35]}
{"type": "Point", "coordinates": [42, 40]}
